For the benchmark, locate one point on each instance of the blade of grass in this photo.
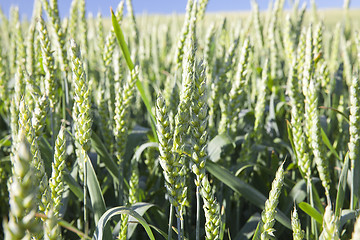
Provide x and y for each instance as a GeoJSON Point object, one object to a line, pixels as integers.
{"type": "Point", "coordinates": [337, 111]}
{"type": "Point", "coordinates": [118, 211]}
{"type": "Point", "coordinates": [141, 209]}
{"type": "Point", "coordinates": [258, 231]}
{"type": "Point", "coordinates": [66, 225]}
{"type": "Point", "coordinates": [125, 50]}
{"type": "Point", "coordinates": [96, 197]}
{"type": "Point", "coordinates": [247, 191]}
{"type": "Point", "coordinates": [105, 156]}
{"type": "Point", "coordinates": [46, 154]}
{"type": "Point", "coordinates": [328, 144]}
{"type": "Point", "coordinates": [73, 229]}
{"type": "Point", "coordinates": [73, 185]}
{"type": "Point", "coordinates": [162, 233]}
{"type": "Point", "coordinates": [342, 186]}
{"type": "Point", "coordinates": [347, 215]}
{"type": "Point", "coordinates": [290, 136]}
{"type": "Point", "coordinates": [142, 148]}
{"type": "Point", "coordinates": [5, 141]}
{"type": "Point", "coordinates": [218, 144]}
{"type": "Point", "coordinates": [312, 212]}
{"type": "Point", "coordinates": [249, 228]}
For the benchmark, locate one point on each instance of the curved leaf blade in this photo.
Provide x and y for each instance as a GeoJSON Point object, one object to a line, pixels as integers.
{"type": "Point", "coordinates": [312, 212]}
{"type": "Point", "coordinates": [342, 187]}
{"type": "Point", "coordinates": [105, 156]}
{"type": "Point", "coordinates": [329, 145]}
{"type": "Point", "coordinates": [125, 50]}
{"type": "Point", "coordinates": [118, 211]}
{"type": "Point", "coordinates": [140, 208]}
{"type": "Point", "coordinates": [247, 191]}
{"type": "Point", "coordinates": [96, 197]}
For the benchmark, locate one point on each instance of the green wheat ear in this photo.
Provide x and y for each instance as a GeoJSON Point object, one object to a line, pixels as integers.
{"type": "Point", "coordinates": [268, 215]}
{"type": "Point", "coordinates": [261, 104]}
{"type": "Point", "coordinates": [37, 161]}
{"type": "Point", "coordinates": [298, 234]}
{"type": "Point", "coordinates": [52, 230]}
{"type": "Point", "coordinates": [122, 113]}
{"type": "Point", "coordinates": [3, 77]}
{"type": "Point", "coordinates": [297, 111]}
{"type": "Point", "coordinates": [312, 120]}
{"type": "Point", "coordinates": [330, 225]}
{"type": "Point", "coordinates": [199, 127]}
{"type": "Point", "coordinates": [354, 130]}
{"type": "Point", "coordinates": [59, 38]}
{"type": "Point", "coordinates": [56, 181]}
{"type": "Point", "coordinates": [81, 110]}
{"type": "Point", "coordinates": [48, 63]}
{"type": "Point", "coordinates": [237, 92]}
{"type": "Point", "coordinates": [184, 32]}
{"type": "Point", "coordinates": [23, 195]}
{"type": "Point", "coordinates": [202, 7]}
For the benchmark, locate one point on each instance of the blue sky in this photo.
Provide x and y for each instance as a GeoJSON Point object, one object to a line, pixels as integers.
{"type": "Point", "coordinates": [162, 6]}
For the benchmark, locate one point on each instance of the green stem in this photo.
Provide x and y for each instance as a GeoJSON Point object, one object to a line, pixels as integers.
{"type": "Point", "coordinates": [178, 226]}
{"type": "Point", "coordinates": [198, 212]}
{"type": "Point", "coordinates": [182, 227]}
{"type": "Point", "coordinates": [85, 191]}
{"type": "Point", "coordinates": [170, 222]}
{"type": "Point", "coordinates": [308, 189]}
{"type": "Point", "coordinates": [52, 130]}
{"type": "Point", "coordinates": [121, 184]}
{"type": "Point", "coordinates": [352, 195]}
{"type": "Point", "coordinates": [64, 100]}
{"type": "Point", "coordinates": [66, 88]}
{"type": "Point", "coordinates": [314, 229]}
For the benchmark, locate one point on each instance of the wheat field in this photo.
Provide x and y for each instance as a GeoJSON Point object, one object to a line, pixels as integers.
{"type": "Point", "coordinates": [241, 125]}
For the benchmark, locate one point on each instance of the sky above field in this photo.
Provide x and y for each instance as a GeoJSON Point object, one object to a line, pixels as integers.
{"type": "Point", "coordinates": [163, 6]}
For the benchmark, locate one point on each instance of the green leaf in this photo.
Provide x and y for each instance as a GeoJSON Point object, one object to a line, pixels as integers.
{"type": "Point", "coordinates": [73, 229]}
{"type": "Point", "coordinates": [5, 159]}
{"type": "Point", "coordinates": [109, 162]}
{"type": "Point", "coordinates": [249, 227]}
{"type": "Point", "coordinates": [125, 50]}
{"type": "Point", "coordinates": [342, 186]}
{"type": "Point", "coordinates": [248, 192]}
{"type": "Point", "coordinates": [316, 196]}
{"type": "Point", "coordinates": [118, 211]}
{"type": "Point", "coordinates": [73, 185]}
{"type": "Point", "coordinates": [346, 117]}
{"type": "Point", "coordinates": [141, 149]}
{"type": "Point", "coordinates": [96, 197]}
{"type": "Point", "coordinates": [297, 195]}
{"type": "Point", "coordinates": [242, 166]}
{"type": "Point", "coordinates": [291, 139]}
{"type": "Point", "coordinates": [355, 183]}
{"type": "Point", "coordinates": [328, 144]}
{"type": "Point", "coordinates": [217, 145]}
{"type": "Point", "coordinates": [347, 215]}
{"type": "Point", "coordinates": [141, 209]}
{"type": "Point", "coordinates": [312, 212]}
{"type": "Point", "coordinates": [222, 223]}
{"type": "Point", "coordinates": [162, 233]}
{"type": "Point", "coordinates": [258, 231]}
{"type": "Point", "coordinates": [121, 40]}
{"type": "Point", "coordinates": [5, 141]}
{"type": "Point", "coordinates": [272, 115]}
{"type": "Point", "coordinates": [135, 138]}
{"type": "Point", "coordinates": [46, 154]}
